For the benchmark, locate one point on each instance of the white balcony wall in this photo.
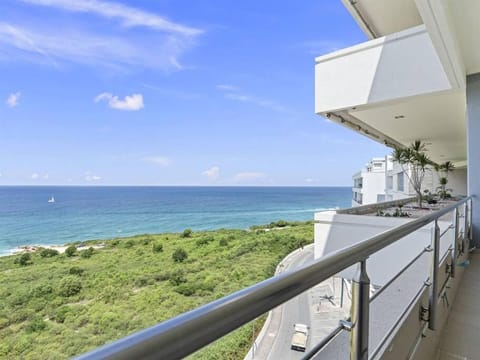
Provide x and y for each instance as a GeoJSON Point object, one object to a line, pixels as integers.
{"type": "Point", "coordinates": [396, 66]}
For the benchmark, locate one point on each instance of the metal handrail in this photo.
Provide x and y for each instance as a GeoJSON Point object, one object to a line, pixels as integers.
{"type": "Point", "coordinates": [188, 332]}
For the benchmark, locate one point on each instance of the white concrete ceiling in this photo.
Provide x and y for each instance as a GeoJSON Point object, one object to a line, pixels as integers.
{"type": "Point", "coordinates": [437, 119]}
{"type": "Point", "coordinates": [384, 16]}
{"type": "Point", "coordinates": [466, 18]}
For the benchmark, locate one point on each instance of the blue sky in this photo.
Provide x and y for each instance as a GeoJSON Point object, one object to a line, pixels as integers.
{"type": "Point", "coordinates": [171, 92]}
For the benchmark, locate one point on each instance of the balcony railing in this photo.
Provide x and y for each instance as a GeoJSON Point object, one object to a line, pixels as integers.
{"type": "Point", "coordinates": [186, 333]}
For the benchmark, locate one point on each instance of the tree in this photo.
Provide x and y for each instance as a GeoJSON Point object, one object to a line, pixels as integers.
{"type": "Point", "coordinates": [187, 233]}
{"type": "Point", "coordinates": [179, 255]}
{"type": "Point", "coordinates": [24, 260]}
{"type": "Point", "coordinates": [69, 286]}
{"type": "Point", "coordinates": [444, 169]}
{"type": "Point", "coordinates": [70, 251]}
{"type": "Point", "coordinates": [415, 159]}
{"type": "Point", "coordinates": [48, 252]}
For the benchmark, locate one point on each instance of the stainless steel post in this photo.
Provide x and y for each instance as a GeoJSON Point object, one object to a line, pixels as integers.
{"type": "Point", "coordinates": [455, 244]}
{"type": "Point", "coordinates": [433, 301]}
{"type": "Point", "coordinates": [360, 314]}
{"type": "Point", "coordinates": [470, 226]}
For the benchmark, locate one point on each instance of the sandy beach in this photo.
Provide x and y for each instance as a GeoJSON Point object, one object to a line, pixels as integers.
{"type": "Point", "coordinates": [60, 248]}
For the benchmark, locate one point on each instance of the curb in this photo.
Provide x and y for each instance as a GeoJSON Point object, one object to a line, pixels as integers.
{"type": "Point", "coordinates": [261, 334]}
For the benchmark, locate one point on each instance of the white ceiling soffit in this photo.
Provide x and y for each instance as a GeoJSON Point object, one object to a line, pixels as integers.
{"type": "Point", "coordinates": [440, 25]}
{"type": "Point", "coordinates": [466, 19]}
{"type": "Point", "coordinates": [378, 18]}
{"type": "Point", "coordinates": [438, 119]}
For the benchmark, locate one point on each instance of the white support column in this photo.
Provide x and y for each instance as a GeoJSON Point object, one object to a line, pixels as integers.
{"type": "Point", "coordinates": [473, 151]}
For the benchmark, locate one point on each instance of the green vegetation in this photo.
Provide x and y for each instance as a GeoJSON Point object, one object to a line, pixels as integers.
{"type": "Point", "coordinates": [63, 305]}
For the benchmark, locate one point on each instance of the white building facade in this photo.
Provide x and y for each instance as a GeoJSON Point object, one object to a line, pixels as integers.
{"type": "Point", "coordinates": [369, 183]}
{"type": "Point", "coordinates": [416, 78]}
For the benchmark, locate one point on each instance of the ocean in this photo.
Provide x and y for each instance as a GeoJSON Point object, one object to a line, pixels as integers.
{"type": "Point", "coordinates": [102, 212]}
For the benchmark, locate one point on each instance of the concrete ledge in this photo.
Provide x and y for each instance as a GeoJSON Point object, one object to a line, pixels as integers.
{"type": "Point", "coordinates": [365, 209]}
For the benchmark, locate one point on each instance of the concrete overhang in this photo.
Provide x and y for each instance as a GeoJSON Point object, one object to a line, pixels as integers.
{"type": "Point", "coordinates": [378, 18]}
{"type": "Point", "coordinates": [395, 90]}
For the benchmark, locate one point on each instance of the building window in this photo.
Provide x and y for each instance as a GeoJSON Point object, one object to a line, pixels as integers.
{"type": "Point", "coordinates": [400, 186]}
{"type": "Point", "coordinates": [389, 182]}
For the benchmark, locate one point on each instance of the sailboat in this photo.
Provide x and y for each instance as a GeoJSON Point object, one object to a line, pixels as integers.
{"type": "Point", "coordinates": [51, 200]}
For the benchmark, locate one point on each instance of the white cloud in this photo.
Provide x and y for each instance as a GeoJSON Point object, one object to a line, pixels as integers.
{"type": "Point", "coordinates": [269, 104]}
{"type": "Point", "coordinates": [227, 87]}
{"type": "Point", "coordinates": [158, 160]}
{"type": "Point", "coordinates": [92, 178]}
{"type": "Point", "coordinates": [309, 180]}
{"type": "Point", "coordinates": [129, 16]}
{"type": "Point", "coordinates": [130, 102]}
{"type": "Point", "coordinates": [36, 176]}
{"type": "Point", "coordinates": [249, 176]}
{"type": "Point", "coordinates": [213, 173]}
{"type": "Point", "coordinates": [42, 43]}
{"type": "Point", "coordinates": [233, 93]}
{"type": "Point", "coordinates": [13, 99]}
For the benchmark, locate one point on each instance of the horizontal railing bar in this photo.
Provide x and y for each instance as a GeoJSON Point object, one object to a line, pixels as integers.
{"type": "Point", "coordinates": [379, 291]}
{"type": "Point", "coordinates": [445, 254]}
{"type": "Point", "coordinates": [399, 319]}
{"type": "Point", "coordinates": [445, 231]}
{"type": "Point", "coordinates": [418, 340]}
{"type": "Point", "coordinates": [190, 331]}
{"type": "Point", "coordinates": [312, 352]}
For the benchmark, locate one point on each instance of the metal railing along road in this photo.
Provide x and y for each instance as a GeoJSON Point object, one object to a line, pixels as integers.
{"type": "Point", "coordinates": [188, 332]}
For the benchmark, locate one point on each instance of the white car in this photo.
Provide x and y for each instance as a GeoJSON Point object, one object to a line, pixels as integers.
{"type": "Point", "coordinates": [299, 338]}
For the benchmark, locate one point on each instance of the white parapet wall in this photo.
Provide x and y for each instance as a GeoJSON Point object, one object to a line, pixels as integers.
{"type": "Point", "coordinates": [396, 66]}
{"type": "Point", "coordinates": [336, 231]}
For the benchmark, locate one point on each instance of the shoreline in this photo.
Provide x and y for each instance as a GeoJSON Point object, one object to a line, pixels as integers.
{"type": "Point", "coordinates": [22, 249]}
{"type": "Point", "coordinates": [100, 243]}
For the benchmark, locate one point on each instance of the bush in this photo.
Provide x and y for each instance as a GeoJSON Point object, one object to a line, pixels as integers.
{"type": "Point", "coordinates": [202, 241]}
{"type": "Point", "coordinates": [69, 286]}
{"type": "Point", "coordinates": [187, 233]}
{"type": "Point", "coordinates": [142, 281]}
{"type": "Point", "coordinates": [161, 277]}
{"type": "Point", "coordinates": [179, 255]}
{"type": "Point", "coordinates": [42, 290]}
{"type": "Point", "coordinates": [61, 314]}
{"type": "Point", "coordinates": [46, 253]}
{"type": "Point", "coordinates": [24, 259]}
{"type": "Point", "coordinates": [71, 250]}
{"type": "Point", "coordinates": [223, 242]}
{"type": "Point", "coordinates": [185, 289]}
{"type": "Point", "coordinates": [157, 247]}
{"type": "Point", "coordinates": [36, 325]}
{"type": "Point", "coordinates": [128, 244]}
{"type": "Point", "coordinates": [177, 278]}
{"type": "Point", "coordinates": [75, 270]}
{"type": "Point", "coordinates": [86, 254]}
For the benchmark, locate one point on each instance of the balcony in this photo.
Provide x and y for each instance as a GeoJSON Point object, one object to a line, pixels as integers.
{"type": "Point", "coordinates": [407, 327]}
{"type": "Point", "coordinates": [396, 66]}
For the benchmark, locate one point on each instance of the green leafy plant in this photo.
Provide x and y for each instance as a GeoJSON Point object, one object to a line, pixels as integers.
{"type": "Point", "coordinates": [24, 259]}
{"type": "Point", "coordinates": [179, 255]}
{"type": "Point", "coordinates": [187, 233]}
{"type": "Point", "coordinates": [71, 250]}
{"type": "Point", "coordinates": [444, 169]}
{"type": "Point", "coordinates": [46, 253]}
{"type": "Point", "coordinates": [414, 158]}
{"type": "Point", "coordinates": [157, 247]}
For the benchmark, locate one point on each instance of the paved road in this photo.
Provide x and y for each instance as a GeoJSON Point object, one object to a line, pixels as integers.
{"type": "Point", "coordinates": [296, 310]}
{"type": "Point", "coordinates": [310, 308]}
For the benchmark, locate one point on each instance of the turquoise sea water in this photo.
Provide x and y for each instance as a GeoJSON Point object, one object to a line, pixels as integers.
{"type": "Point", "coordinates": [83, 213]}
